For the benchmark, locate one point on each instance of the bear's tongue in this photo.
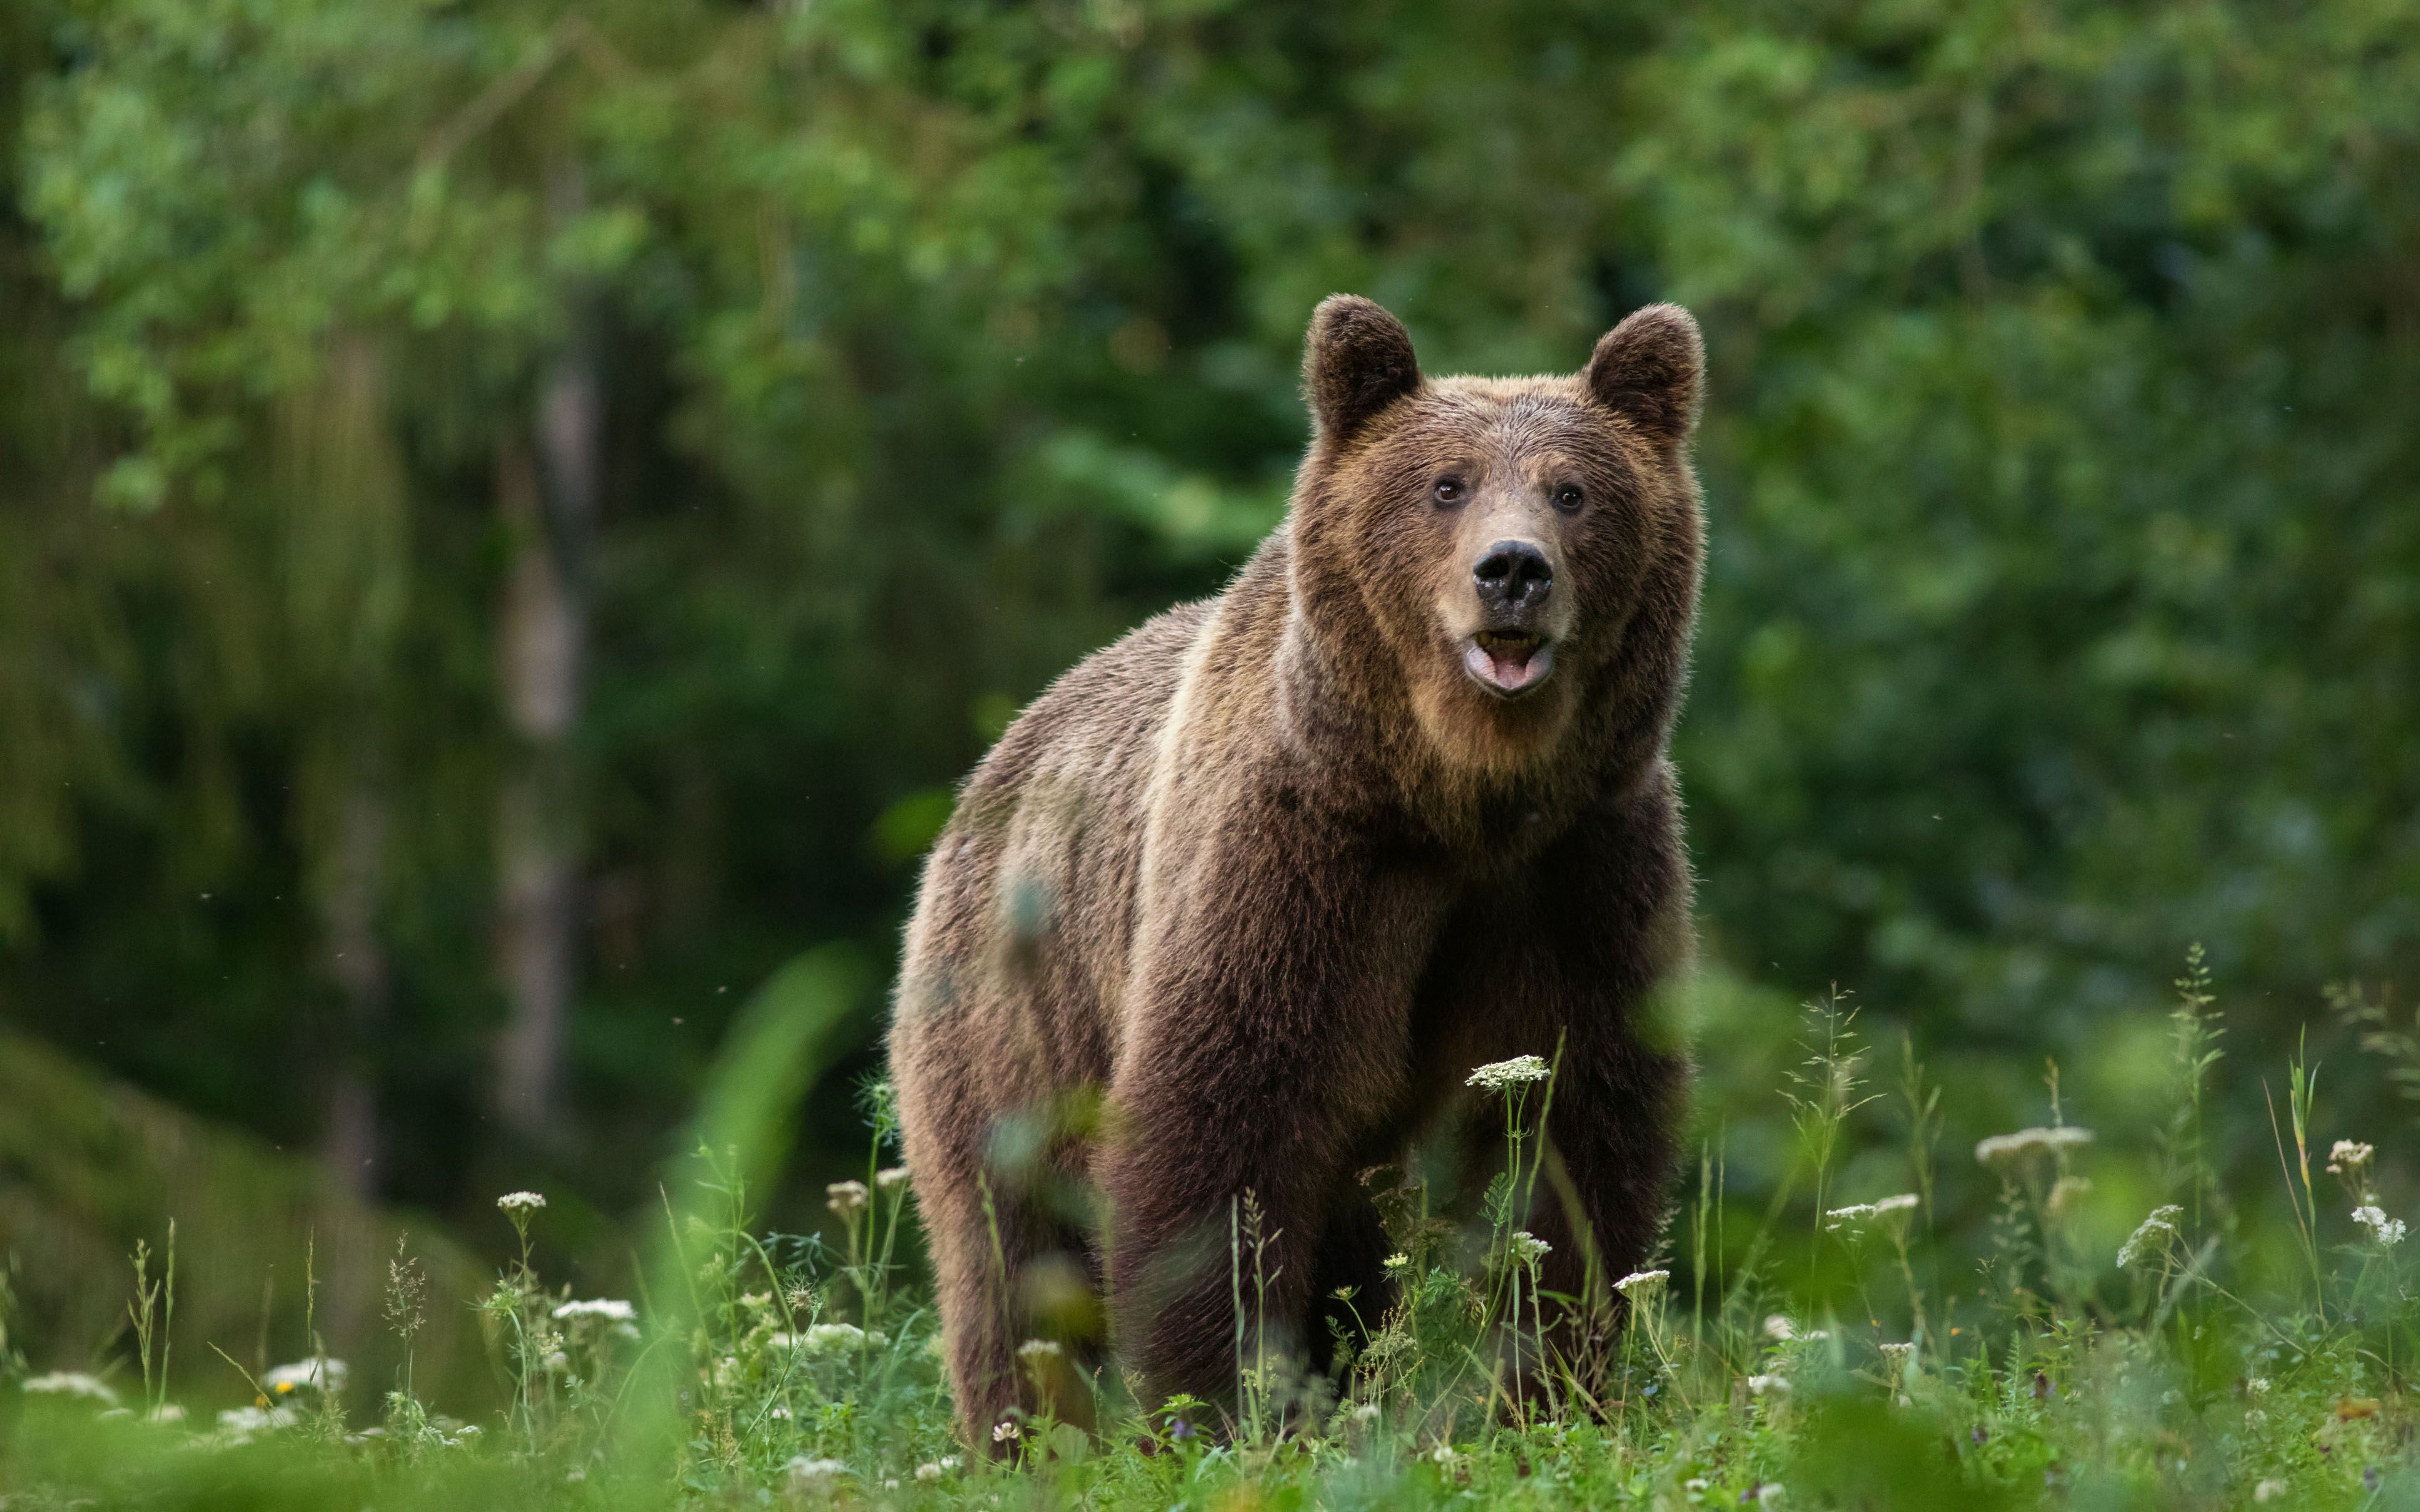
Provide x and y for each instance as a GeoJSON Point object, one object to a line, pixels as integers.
{"type": "Point", "coordinates": [1510, 661]}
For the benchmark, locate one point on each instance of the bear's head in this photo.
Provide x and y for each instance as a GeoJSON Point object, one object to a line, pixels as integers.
{"type": "Point", "coordinates": [1520, 555]}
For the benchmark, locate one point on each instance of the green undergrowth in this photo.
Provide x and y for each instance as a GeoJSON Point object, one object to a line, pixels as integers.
{"type": "Point", "coordinates": [1826, 1352]}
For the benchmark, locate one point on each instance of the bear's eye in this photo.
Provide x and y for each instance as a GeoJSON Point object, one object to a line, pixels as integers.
{"type": "Point", "coordinates": [1568, 497]}
{"type": "Point", "coordinates": [1449, 491]}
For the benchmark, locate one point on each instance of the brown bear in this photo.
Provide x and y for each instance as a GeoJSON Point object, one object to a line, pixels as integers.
{"type": "Point", "coordinates": [1236, 906]}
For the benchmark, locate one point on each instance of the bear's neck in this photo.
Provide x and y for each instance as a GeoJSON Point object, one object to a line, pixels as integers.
{"type": "Point", "coordinates": [1345, 704]}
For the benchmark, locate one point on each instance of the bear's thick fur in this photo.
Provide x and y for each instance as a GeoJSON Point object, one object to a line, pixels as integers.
{"type": "Point", "coordinates": [1234, 907]}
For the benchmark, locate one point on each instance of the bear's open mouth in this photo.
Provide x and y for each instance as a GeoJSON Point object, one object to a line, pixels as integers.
{"type": "Point", "coordinates": [1508, 661]}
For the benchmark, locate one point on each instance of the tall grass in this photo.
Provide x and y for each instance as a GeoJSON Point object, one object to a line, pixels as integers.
{"type": "Point", "coordinates": [1837, 1352]}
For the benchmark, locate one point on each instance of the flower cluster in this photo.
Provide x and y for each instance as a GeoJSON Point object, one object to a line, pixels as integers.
{"type": "Point", "coordinates": [518, 1202]}
{"type": "Point", "coordinates": [2349, 1163]}
{"type": "Point", "coordinates": [815, 1474]}
{"type": "Point", "coordinates": [832, 1338]}
{"type": "Point", "coordinates": [2008, 1149]}
{"type": "Point", "coordinates": [845, 1197]}
{"type": "Point", "coordinates": [2150, 1237]}
{"type": "Point", "coordinates": [2348, 1156]}
{"type": "Point", "coordinates": [1640, 1285]}
{"type": "Point", "coordinates": [305, 1375]}
{"type": "Point", "coordinates": [1859, 1213]}
{"type": "Point", "coordinates": [609, 1308]}
{"type": "Point", "coordinates": [237, 1424]}
{"type": "Point", "coordinates": [72, 1383]}
{"type": "Point", "coordinates": [1528, 1248]}
{"type": "Point", "coordinates": [1498, 1074]}
{"type": "Point", "coordinates": [2387, 1231]}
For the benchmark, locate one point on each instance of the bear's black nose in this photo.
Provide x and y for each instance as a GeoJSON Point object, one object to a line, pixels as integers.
{"type": "Point", "coordinates": [1515, 575]}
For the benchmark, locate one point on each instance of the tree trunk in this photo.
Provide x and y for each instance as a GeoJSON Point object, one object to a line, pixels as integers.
{"type": "Point", "coordinates": [357, 962]}
{"type": "Point", "coordinates": [339, 530]}
{"type": "Point", "coordinates": [550, 505]}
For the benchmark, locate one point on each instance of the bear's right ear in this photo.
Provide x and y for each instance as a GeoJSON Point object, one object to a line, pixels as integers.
{"type": "Point", "coordinates": [1357, 361]}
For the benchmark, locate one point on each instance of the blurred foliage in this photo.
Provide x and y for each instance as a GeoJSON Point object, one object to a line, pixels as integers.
{"type": "Point", "coordinates": [263, 1253]}
{"type": "Point", "coordinates": [2064, 595]}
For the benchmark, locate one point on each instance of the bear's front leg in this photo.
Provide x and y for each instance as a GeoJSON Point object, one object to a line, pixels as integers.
{"type": "Point", "coordinates": [1576, 954]}
{"type": "Point", "coordinates": [1613, 911]}
{"type": "Point", "coordinates": [1266, 1028]}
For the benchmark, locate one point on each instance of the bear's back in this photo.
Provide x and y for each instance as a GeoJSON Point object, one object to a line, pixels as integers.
{"type": "Point", "coordinates": [1020, 934]}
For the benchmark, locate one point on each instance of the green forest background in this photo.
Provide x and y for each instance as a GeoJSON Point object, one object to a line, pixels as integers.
{"type": "Point", "coordinates": [514, 517]}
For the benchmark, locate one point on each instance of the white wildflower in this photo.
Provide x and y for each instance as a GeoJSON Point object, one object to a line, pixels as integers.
{"type": "Point", "coordinates": [1366, 1413]}
{"type": "Point", "coordinates": [1498, 1074]}
{"type": "Point", "coordinates": [845, 1197]}
{"type": "Point", "coordinates": [2387, 1231]}
{"type": "Point", "coordinates": [240, 1423]}
{"type": "Point", "coordinates": [890, 1483]}
{"type": "Point", "coordinates": [304, 1375]}
{"type": "Point", "coordinates": [1443, 1455]}
{"type": "Point", "coordinates": [1005, 1432]}
{"type": "Point", "coordinates": [1038, 1349]}
{"type": "Point", "coordinates": [1778, 1327]}
{"type": "Point", "coordinates": [606, 1308]}
{"type": "Point", "coordinates": [521, 1202]}
{"type": "Point", "coordinates": [1759, 1385]}
{"type": "Point", "coordinates": [815, 1474]}
{"type": "Point", "coordinates": [1638, 1286]}
{"type": "Point", "coordinates": [2347, 1157]}
{"type": "Point", "coordinates": [2269, 1490]}
{"type": "Point", "coordinates": [1859, 1213]}
{"type": "Point", "coordinates": [1768, 1493]}
{"type": "Point", "coordinates": [1897, 1357]}
{"type": "Point", "coordinates": [832, 1338]}
{"type": "Point", "coordinates": [930, 1469]}
{"type": "Point", "coordinates": [1398, 1261]}
{"type": "Point", "coordinates": [72, 1383]}
{"type": "Point", "coordinates": [1528, 1248]}
{"type": "Point", "coordinates": [2150, 1237]}
{"type": "Point", "coordinates": [889, 1177]}
{"type": "Point", "coordinates": [2009, 1147]}
{"type": "Point", "coordinates": [2258, 1385]}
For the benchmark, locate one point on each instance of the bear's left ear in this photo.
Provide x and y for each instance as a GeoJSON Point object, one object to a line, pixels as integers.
{"type": "Point", "coordinates": [1356, 361]}
{"type": "Point", "coordinates": [1649, 370]}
